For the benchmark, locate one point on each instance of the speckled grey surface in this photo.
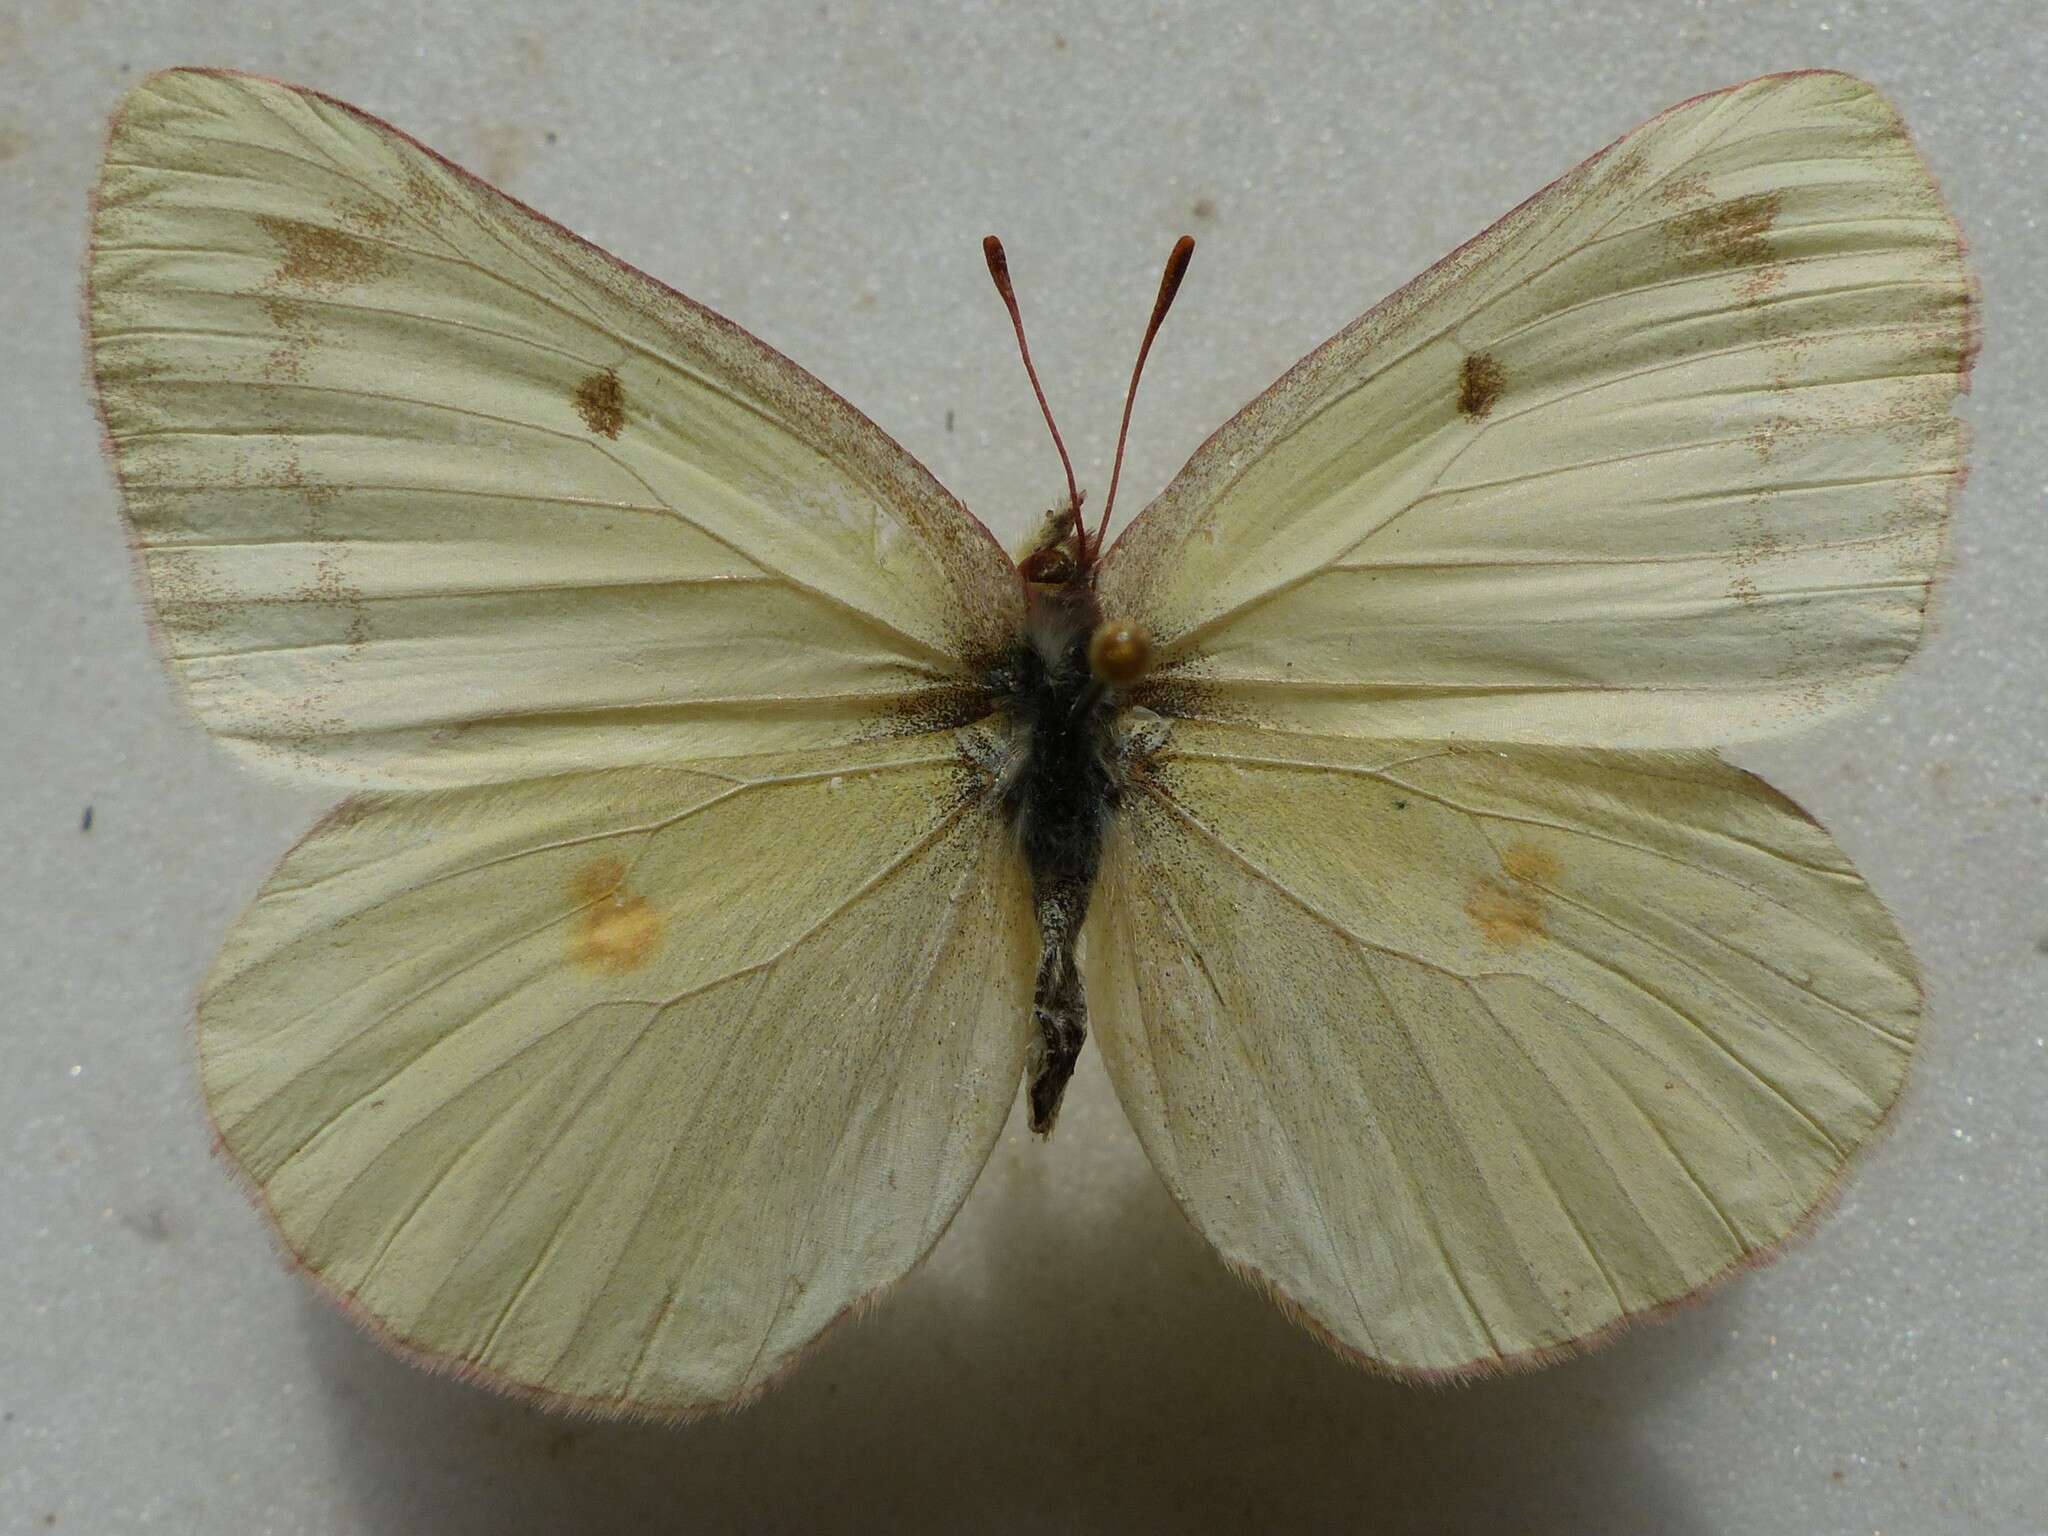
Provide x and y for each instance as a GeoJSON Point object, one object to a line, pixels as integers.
{"type": "Point", "coordinates": [1072, 1358]}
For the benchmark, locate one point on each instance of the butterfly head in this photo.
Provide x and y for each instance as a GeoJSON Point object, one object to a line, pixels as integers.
{"type": "Point", "coordinates": [1059, 556]}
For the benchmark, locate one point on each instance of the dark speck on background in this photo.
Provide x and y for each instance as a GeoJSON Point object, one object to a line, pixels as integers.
{"type": "Point", "coordinates": [85, 821]}
{"type": "Point", "coordinates": [152, 1225]}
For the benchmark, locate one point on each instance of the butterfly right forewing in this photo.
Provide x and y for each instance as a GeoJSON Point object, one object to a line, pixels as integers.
{"type": "Point", "coordinates": [1664, 458]}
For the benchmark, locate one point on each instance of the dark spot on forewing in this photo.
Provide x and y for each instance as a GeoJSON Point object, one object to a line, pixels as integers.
{"type": "Point", "coordinates": [1480, 382]}
{"type": "Point", "coordinates": [316, 257]}
{"type": "Point", "coordinates": [1730, 233]}
{"type": "Point", "coordinates": [601, 402]}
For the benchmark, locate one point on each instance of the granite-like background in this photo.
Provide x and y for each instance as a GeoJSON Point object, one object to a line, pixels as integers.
{"type": "Point", "coordinates": [1072, 1359]}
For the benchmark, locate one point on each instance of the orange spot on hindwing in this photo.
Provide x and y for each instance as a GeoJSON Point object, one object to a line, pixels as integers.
{"type": "Point", "coordinates": [616, 929]}
{"type": "Point", "coordinates": [1527, 864]}
{"type": "Point", "coordinates": [1510, 912]}
{"type": "Point", "coordinates": [601, 402]}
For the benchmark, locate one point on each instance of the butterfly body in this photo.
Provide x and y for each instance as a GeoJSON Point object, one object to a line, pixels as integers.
{"type": "Point", "coordinates": [1059, 789]}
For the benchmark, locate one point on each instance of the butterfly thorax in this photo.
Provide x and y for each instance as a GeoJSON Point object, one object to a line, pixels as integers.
{"type": "Point", "coordinates": [1059, 791]}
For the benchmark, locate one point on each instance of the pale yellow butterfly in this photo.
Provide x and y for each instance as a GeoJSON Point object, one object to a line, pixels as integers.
{"type": "Point", "coordinates": [738, 824]}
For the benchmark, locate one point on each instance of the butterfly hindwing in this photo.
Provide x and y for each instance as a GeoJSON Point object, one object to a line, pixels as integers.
{"type": "Point", "coordinates": [1664, 458]}
{"type": "Point", "coordinates": [426, 490]}
{"type": "Point", "coordinates": [607, 1087]}
{"type": "Point", "coordinates": [1474, 1053]}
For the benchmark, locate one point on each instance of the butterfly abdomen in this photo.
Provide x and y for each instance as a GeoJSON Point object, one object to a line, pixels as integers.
{"type": "Point", "coordinates": [1059, 795]}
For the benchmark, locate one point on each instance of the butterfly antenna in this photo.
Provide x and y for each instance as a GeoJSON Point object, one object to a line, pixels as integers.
{"type": "Point", "coordinates": [1169, 285]}
{"type": "Point", "coordinates": [999, 272]}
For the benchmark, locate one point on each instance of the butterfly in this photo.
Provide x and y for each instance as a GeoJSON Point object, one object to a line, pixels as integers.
{"type": "Point", "coordinates": [736, 825]}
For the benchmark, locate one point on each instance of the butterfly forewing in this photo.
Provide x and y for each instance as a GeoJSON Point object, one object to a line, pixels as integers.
{"type": "Point", "coordinates": [407, 466]}
{"type": "Point", "coordinates": [1664, 458]}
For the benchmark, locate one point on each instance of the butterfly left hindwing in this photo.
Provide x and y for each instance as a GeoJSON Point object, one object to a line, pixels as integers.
{"type": "Point", "coordinates": [607, 1088]}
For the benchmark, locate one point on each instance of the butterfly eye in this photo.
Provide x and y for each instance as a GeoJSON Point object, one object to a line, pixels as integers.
{"type": "Point", "coordinates": [1119, 653]}
{"type": "Point", "coordinates": [1051, 566]}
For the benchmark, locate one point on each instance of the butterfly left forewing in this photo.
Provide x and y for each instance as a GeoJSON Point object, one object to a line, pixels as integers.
{"type": "Point", "coordinates": [1474, 1054]}
{"type": "Point", "coordinates": [612, 1088]}
{"type": "Point", "coordinates": [426, 490]}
